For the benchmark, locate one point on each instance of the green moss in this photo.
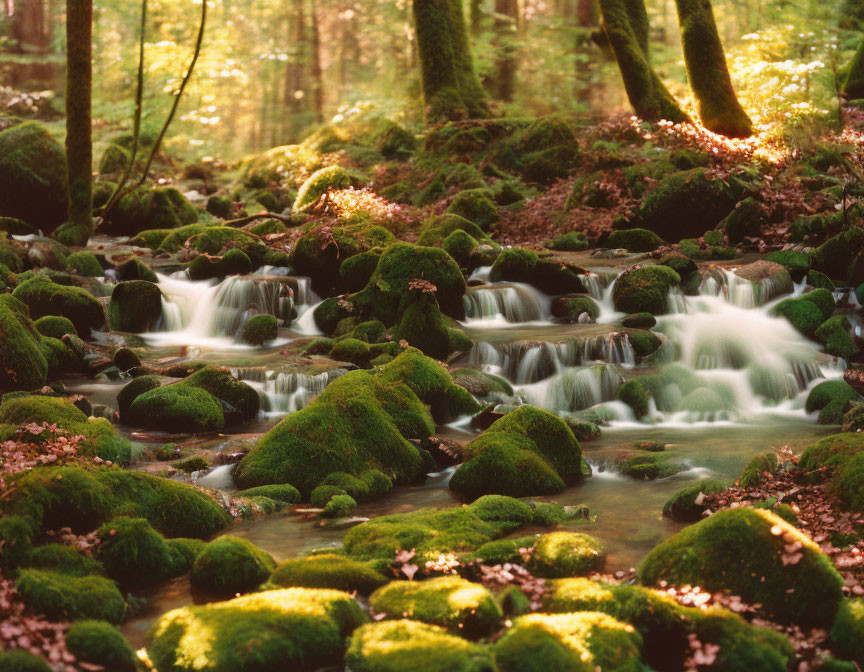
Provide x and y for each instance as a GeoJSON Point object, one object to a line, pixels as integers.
{"type": "Point", "coordinates": [503, 551]}
{"type": "Point", "coordinates": [515, 264]}
{"type": "Point", "coordinates": [86, 264]}
{"type": "Point", "coordinates": [220, 206]}
{"type": "Point", "coordinates": [230, 565]}
{"type": "Point", "coordinates": [33, 174]}
{"type": "Point", "coordinates": [125, 359]}
{"type": "Point", "coordinates": [665, 210]}
{"type": "Point", "coordinates": [350, 350]}
{"type": "Point", "coordinates": [179, 408]}
{"type": "Point", "coordinates": [19, 660]}
{"type": "Point", "coordinates": [54, 326]}
{"type": "Point", "coordinates": [836, 255]}
{"type": "Point", "coordinates": [753, 473]}
{"type": "Point", "coordinates": [643, 341]}
{"type": "Point", "coordinates": [580, 642]}
{"type": "Point", "coordinates": [15, 537]}
{"type": "Point", "coordinates": [328, 571]}
{"type": "Point", "coordinates": [62, 597]}
{"type": "Point", "coordinates": [136, 306]}
{"type": "Point", "coordinates": [692, 249]}
{"type": "Point", "coordinates": [153, 238]}
{"type": "Point", "coordinates": [481, 384]}
{"type": "Point", "coordinates": [22, 362]}
{"type": "Point", "coordinates": [740, 550]}
{"type": "Point", "coordinates": [333, 177]}
{"type": "Point", "coordinates": [57, 497]}
{"type": "Point", "coordinates": [294, 628]}
{"type": "Point", "coordinates": [260, 329]}
{"type": "Point", "coordinates": [644, 289]}
{"type": "Point", "coordinates": [135, 269]}
{"type": "Point", "coordinates": [130, 392]}
{"type": "Point", "coordinates": [99, 643]}
{"type": "Point", "coordinates": [507, 513]}
{"type": "Point", "coordinates": [356, 271]}
{"type": "Point", "coordinates": [340, 506]}
{"type": "Point", "coordinates": [448, 601]}
{"type": "Point", "coordinates": [65, 560]}
{"type": "Point", "coordinates": [438, 228]}
{"type": "Point", "coordinates": [647, 467]}
{"type": "Point", "coordinates": [44, 297]}
{"type": "Point", "coordinates": [571, 308]}
{"type": "Point", "coordinates": [847, 634]}
{"type": "Point", "coordinates": [477, 206]}
{"type": "Point", "coordinates": [561, 554]}
{"type": "Point", "coordinates": [832, 399]}
{"type": "Point", "coordinates": [573, 241]}
{"type": "Point", "coordinates": [744, 221]}
{"type": "Point", "coordinates": [822, 299]}
{"type": "Point", "coordinates": [686, 505]}
{"type": "Point", "coordinates": [190, 464]}
{"type": "Point", "coordinates": [286, 494]}
{"type": "Point", "coordinates": [634, 394]}
{"type": "Point", "coordinates": [146, 209]}
{"type": "Point", "coordinates": [805, 316]}
{"type": "Point", "coordinates": [460, 246]}
{"type": "Point", "coordinates": [635, 240]}
{"type": "Point", "coordinates": [422, 325]}
{"type": "Point", "coordinates": [835, 334]}
{"type": "Point", "coordinates": [794, 260]}
{"type": "Point", "coordinates": [526, 452]}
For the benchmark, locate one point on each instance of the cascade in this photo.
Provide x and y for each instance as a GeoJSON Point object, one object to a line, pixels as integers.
{"type": "Point", "coordinates": [505, 303]}
{"type": "Point", "coordinates": [282, 393]}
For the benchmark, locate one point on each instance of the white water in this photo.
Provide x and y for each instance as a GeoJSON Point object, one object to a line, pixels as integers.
{"type": "Point", "coordinates": [505, 304]}
{"type": "Point", "coordinates": [282, 393]}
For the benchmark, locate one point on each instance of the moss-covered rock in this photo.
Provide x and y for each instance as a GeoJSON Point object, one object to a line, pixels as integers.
{"type": "Point", "coordinates": [126, 359]}
{"type": "Point", "coordinates": [394, 646]}
{"type": "Point", "coordinates": [573, 241]}
{"type": "Point", "coordinates": [84, 499]}
{"type": "Point", "coordinates": [133, 553]}
{"type": "Point", "coordinates": [526, 452]}
{"type": "Point", "coordinates": [516, 264]}
{"type": "Point", "coordinates": [560, 554]}
{"type": "Point", "coordinates": [580, 642]}
{"type": "Point", "coordinates": [86, 264]}
{"type": "Point", "coordinates": [294, 628]}
{"type": "Point", "coordinates": [333, 177]}
{"type": "Point", "coordinates": [422, 325]}
{"type": "Point", "coordinates": [61, 597]}
{"type": "Point", "coordinates": [755, 471]}
{"type": "Point", "coordinates": [356, 271]}
{"type": "Point", "coordinates": [19, 660]}
{"type": "Point", "coordinates": [136, 306]}
{"type": "Point", "coordinates": [836, 335]}
{"type": "Point", "coordinates": [328, 571]}
{"type": "Point", "coordinates": [667, 209]}
{"type": "Point", "coordinates": [847, 634]}
{"type": "Point", "coordinates": [260, 329]}
{"type": "Point", "coordinates": [634, 240]}
{"type": "Point", "coordinates": [135, 269]}
{"type": "Point", "coordinates": [832, 399]}
{"type": "Point", "coordinates": [340, 506]}
{"type": "Point", "coordinates": [572, 308]}
{"type": "Point", "coordinates": [647, 467]}
{"type": "Point", "coordinates": [481, 384]}
{"type": "Point", "coordinates": [744, 221]}
{"type": "Point", "coordinates": [448, 601]}
{"type": "Point", "coordinates": [146, 208]}
{"type": "Point", "coordinates": [361, 421]}
{"type": "Point", "coordinates": [436, 229]}
{"type": "Point", "coordinates": [22, 362]}
{"type": "Point", "coordinates": [100, 643]}
{"type": "Point", "coordinates": [644, 289]}
{"type": "Point", "coordinates": [743, 551]}
{"type": "Point", "coordinates": [634, 394]}
{"type": "Point", "coordinates": [44, 297]}
{"type": "Point", "coordinates": [179, 408]}
{"type": "Point", "coordinates": [320, 252]}
{"type": "Point", "coordinates": [230, 565]}
{"type": "Point", "coordinates": [805, 316]}
{"type": "Point", "coordinates": [477, 206]}
{"type": "Point", "coordinates": [836, 255]}
{"type": "Point", "coordinates": [687, 505]}
{"type": "Point", "coordinates": [33, 175]}
{"type": "Point", "coordinates": [643, 341]}
{"type": "Point", "coordinates": [220, 206]}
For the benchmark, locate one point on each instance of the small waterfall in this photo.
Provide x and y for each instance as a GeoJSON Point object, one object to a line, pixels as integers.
{"type": "Point", "coordinates": [740, 291]}
{"type": "Point", "coordinates": [599, 287]}
{"type": "Point", "coordinates": [220, 478]}
{"type": "Point", "coordinates": [526, 362]}
{"type": "Point", "coordinates": [203, 310]}
{"type": "Point", "coordinates": [576, 389]}
{"type": "Point", "coordinates": [282, 393]}
{"type": "Point", "coordinates": [509, 303]}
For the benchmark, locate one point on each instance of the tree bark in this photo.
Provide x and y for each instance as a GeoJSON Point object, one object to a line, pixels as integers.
{"type": "Point", "coordinates": [79, 147]}
{"type": "Point", "coordinates": [506, 20]}
{"type": "Point", "coordinates": [317, 69]}
{"type": "Point", "coordinates": [854, 85]}
{"type": "Point", "coordinates": [705, 59]}
{"type": "Point", "coordinates": [648, 95]}
{"type": "Point", "coordinates": [29, 27]}
{"type": "Point", "coordinates": [451, 88]}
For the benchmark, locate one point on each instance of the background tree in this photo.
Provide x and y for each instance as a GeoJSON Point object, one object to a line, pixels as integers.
{"type": "Point", "coordinates": [451, 88]}
{"type": "Point", "coordinates": [705, 59]}
{"type": "Point", "coordinates": [79, 145]}
{"type": "Point", "coordinates": [626, 25]}
{"type": "Point", "coordinates": [506, 24]}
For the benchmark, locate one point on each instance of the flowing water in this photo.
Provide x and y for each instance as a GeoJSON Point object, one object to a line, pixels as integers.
{"type": "Point", "coordinates": [729, 381]}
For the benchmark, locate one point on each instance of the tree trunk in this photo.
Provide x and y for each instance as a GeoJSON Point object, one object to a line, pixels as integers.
{"type": "Point", "coordinates": [317, 70]}
{"type": "Point", "coordinates": [854, 86]}
{"type": "Point", "coordinates": [29, 27]}
{"type": "Point", "coordinates": [647, 94]}
{"type": "Point", "coordinates": [709, 77]}
{"type": "Point", "coordinates": [506, 19]}
{"type": "Point", "coordinates": [79, 147]}
{"type": "Point", "coordinates": [451, 88]}
{"type": "Point", "coordinates": [476, 16]}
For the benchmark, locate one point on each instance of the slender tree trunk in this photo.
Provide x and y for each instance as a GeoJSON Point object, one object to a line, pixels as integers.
{"type": "Point", "coordinates": [317, 69]}
{"type": "Point", "coordinates": [709, 77]}
{"type": "Point", "coordinates": [476, 16]}
{"type": "Point", "coordinates": [451, 88]}
{"type": "Point", "coordinates": [647, 94]}
{"type": "Point", "coordinates": [506, 19]}
{"type": "Point", "coordinates": [79, 147]}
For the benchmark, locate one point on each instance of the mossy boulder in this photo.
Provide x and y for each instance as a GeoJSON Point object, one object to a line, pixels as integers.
{"type": "Point", "coordinates": [573, 308]}
{"type": "Point", "coordinates": [839, 457]}
{"type": "Point", "coordinates": [634, 240]}
{"type": "Point", "coordinates": [126, 359]}
{"type": "Point", "coordinates": [147, 208]}
{"type": "Point", "coordinates": [99, 643]}
{"type": "Point", "coordinates": [356, 271]}
{"type": "Point", "coordinates": [61, 597]}
{"type": "Point", "coordinates": [668, 209]}
{"type": "Point", "coordinates": [836, 255]}
{"type": "Point", "coordinates": [832, 399]}
{"type": "Point", "coordinates": [744, 551]}
{"type": "Point", "coordinates": [644, 289]}
{"type": "Point", "coordinates": [581, 642]}
{"type": "Point", "coordinates": [230, 565]}
{"type": "Point", "coordinates": [526, 452]}
{"type": "Point", "coordinates": [22, 362]}
{"type": "Point", "coordinates": [847, 634]}
{"type": "Point", "coordinates": [643, 341]}
{"type": "Point", "coordinates": [19, 660]}
{"type": "Point", "coordinates": [436, 229]}
{"type": "Point", "coordinates": [477, 206]}
{"type": "Point", "coordinates": [294, 628]}
{"type": "Point", "coordinates": [516, 264]}
{"type": "Point", "coordinates": [340, 506]}
{"type": "Point", "coordinates": [135, 269]}
{"type": "Point", "coordinates": [687, 505]}
{"type": "Point", "coordinates": [328, 570]}
{"type": "Point", "coordinates": [647, 466]}
{"type": "Point", "coordinates": [321, 181]}
{"type": "Point", "coordinates": [33, 175]}
{"type": "Point", "coordinates": [44, 297]}
{"type": "Point", "coordinates": [836, 335]}
{"type": "Point", "coordinates": [321, 251]}
{"type": "Point", "coordinates": [805, 316]}
{"type": "Point", "coordinates": [395, 646]}
{"type": "Point", "coordinates": [573, 241]}
{"type": "Point", "coordinates": [260, 329]}
{"type": "Point", "coordinates": [561, 554]}
{"type": "Point", "coordinates": [746, 220]}
{"type": "Point", "coordinates": [86, 264]}
{"type": "Point", "coordinates": [451, 602]}
{"type": "Point", "coordinates": [361, 421]}
{"type": "Point", "coordinates": [461, 246]}
{"type": "Point", "coordinates": [423, 326]}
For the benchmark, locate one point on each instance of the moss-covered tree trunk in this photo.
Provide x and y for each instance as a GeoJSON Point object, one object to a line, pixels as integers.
{"type": "Point", "coordinates": [506, 21]}
{"type": "Point", "coordinates": [854, 85]}
{"type": "Point", "coordinates": [79, 147]}
{"type": "Point", "coordinates": [451, 88]}
{"type": "Point", "coordinates": [709, 77]}
{"type": "Point", "coordinates": [647, 94]}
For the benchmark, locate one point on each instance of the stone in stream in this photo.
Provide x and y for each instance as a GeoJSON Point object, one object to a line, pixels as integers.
{"type": "Point", "coordinates": [644, 289]}
{"type": "Point", "coordinates": [44, 297]}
